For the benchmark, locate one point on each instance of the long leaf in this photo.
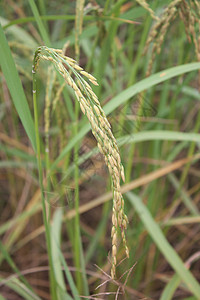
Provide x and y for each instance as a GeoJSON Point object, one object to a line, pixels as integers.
{"type": "Point", "coordinates": [69, 278]}
{"type": "Point", "coordinates": [164, 246]}
{"type": "Point", "coordinates": [38, 20]}
{"type": "Point", "coordinates": [170, 288]}
{"type": "Point", "coordinates": [19, 34]}
{"type": "Point", "coordinates": [124, 96]}
{"type": "Point", "coordinates": [55, 245]}
{"type": "Point", "coordinates": [15, 87]}
{"type": "Point", "coordinates": [21, 289]}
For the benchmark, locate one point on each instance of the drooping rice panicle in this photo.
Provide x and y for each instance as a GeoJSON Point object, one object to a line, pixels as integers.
{"type": "Point", "coordinates": [144, 4]}
{"type": "Point", "coordinates": [189, 12]}
{"type": "Point", "coordinates": [73, 75]}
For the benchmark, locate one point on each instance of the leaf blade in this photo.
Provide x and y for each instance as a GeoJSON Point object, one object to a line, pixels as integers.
{"type": "Point", "coordinates": [15, 87]}
{"type": "Point", "coordinates": [164, 246]}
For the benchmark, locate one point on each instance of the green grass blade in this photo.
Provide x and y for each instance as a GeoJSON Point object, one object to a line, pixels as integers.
{"type": "Point", "coordinates": [12, 264]}
{"type": "Point", "coordinates": [55, 245]}
{"type": "Point", "coordinates": [148, 83]}
{"type": "Point", "coordinates": [181, 221]}
{"type": "Point", "coordinates": [15, 87]}
{"type": "Point", "coordinates": [70, 17]}
{"type": "Point", "coordinates": [42, 7]}
{"type": "Point", "coordinates": [124, 96]}
{"type": "Point", "coordinates": [19, 34]}
{"type": "Point", "coordinates": [38, 20]}
{"type": "Point", "coordinates": [69, 278]}
{"type": "Point", "coordinates": [192, 208]}
{"type": "Point", "coordinates": [83, 270]}
{"type": "Point", "coordinates": [95, 240]}
{"type": "Point", "coordinates": [164, 135]}
{"type": "Point", "coordinates": [15, 164]}
{"type": "Point", "coordinates": [136, 138]}
{"type": "Point", "coordinates": [104, 55]}
{"type": "Point", "coordinates": [20, 218]}
{"type": "Point", "coordinates": [20, 289]}
{"type": "Point", "coordinates": [162, 243]}
{"type": "Point", "coordinates": [14, 152]}
{"type": "Point", "coordinates": [170, 288]}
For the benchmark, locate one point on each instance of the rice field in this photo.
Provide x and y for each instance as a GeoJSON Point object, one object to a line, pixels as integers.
{"type": "Point", "coordinates": [99, 147]}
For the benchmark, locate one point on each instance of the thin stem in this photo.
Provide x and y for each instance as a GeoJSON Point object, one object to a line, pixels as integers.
{"type": "Point", "coordinates": [39, 162]}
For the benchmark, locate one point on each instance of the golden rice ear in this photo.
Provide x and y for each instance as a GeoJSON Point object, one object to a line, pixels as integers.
{"type": "Point", "coordinates": [144, 4]}
{"type": "Point", "coordinates": [189, 13]}
{"type": "Point", "coordinates": [101, 129]}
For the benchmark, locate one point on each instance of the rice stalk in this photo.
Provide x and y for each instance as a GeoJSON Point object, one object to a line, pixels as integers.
{"type": "Point", "coordinates": [78, 79]}
{"type": "Point", "coordinates": [78, 25]}
{"type": "Point", "coordinates": [47, 110]}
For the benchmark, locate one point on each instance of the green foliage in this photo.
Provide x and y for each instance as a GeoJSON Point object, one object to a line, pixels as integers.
{"type": "Point", "coordinates": [156, 122]}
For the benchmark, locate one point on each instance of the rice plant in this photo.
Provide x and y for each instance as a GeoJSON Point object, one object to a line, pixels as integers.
{"type": "Point", "coordinates": [93, 94]}
{"type": "Point", "coordinates": [101, 129]}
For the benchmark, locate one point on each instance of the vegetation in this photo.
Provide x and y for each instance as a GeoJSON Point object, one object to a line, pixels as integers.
{"type": "Point", "coordinates": [92, 92]}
